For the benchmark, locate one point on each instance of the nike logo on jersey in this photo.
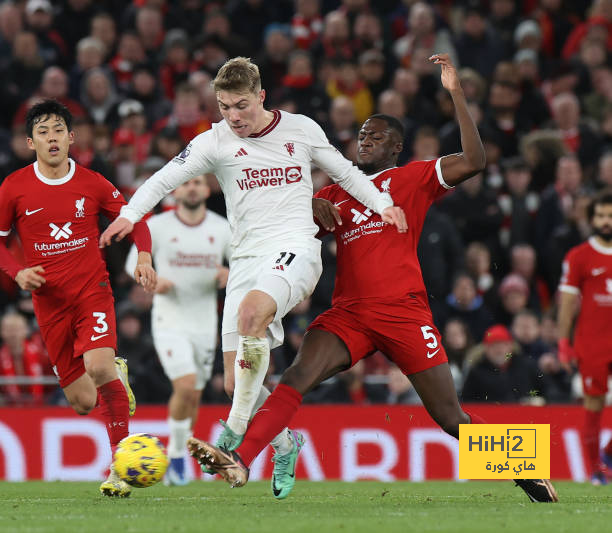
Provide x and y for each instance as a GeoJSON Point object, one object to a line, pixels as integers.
{"type": "Point", "coordinates": [431, 354]}
{"type": "Point", "coordinates": [28, 213]}
{"type": "Point", "coordinates": [96, 337]}
{"type": "Point", "coordinates": [597, 271]}
{"type": "Point", "coordinates": [340, 203]}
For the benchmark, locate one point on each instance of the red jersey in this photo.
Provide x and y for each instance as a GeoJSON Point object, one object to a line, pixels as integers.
{"type": "Point", "coordinates": [374, 260]}
{"type": "Point", "coordinates": [57, 221]}
{"type": "Point", "coordinates": [587, 270]}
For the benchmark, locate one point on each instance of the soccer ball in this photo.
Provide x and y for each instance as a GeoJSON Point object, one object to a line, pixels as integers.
{"type": "Point", "coordinates": [140, 460]}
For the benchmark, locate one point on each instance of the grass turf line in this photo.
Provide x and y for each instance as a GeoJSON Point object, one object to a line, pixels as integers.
{"type": "Point", "coordinates": [363, 507]}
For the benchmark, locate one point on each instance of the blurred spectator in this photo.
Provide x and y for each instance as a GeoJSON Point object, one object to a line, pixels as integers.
{"type": "Point", "coordinates": [557, 200]}
{"type": "Point", "coordinates": [440, 253]}
{"type": "Point", "coordinates": [347, 83]}
{"type": "Point", "coordinates": [273, 61]}
{"type": "Point", "coordinates": [465, 304]}
{"type": "Point", "coordinates": [475, 212]}
{"type": "Point", "coordinates": [130, 52]}
{"type": "Point", "coordinates": [335, 41]}
{"type": "Point", "coordinates": [145, 88]}
{"type": "Point", "coordinates": [98, 94]}
{"type": "Point", "coordinates": [73, 22]}
{"type": "Point", "coordinates": [401, 390]}
{"type": "Point", "coordinates": [542, 149]}
{"type": "Point", "coordinates": [218, 25]}
{"type": "Point", "coordinates": [368, 33]}
{"type": "Point", "coordinates": [518, 204]}
{"type": "Point", "coordinates": [103, 27]}
{"type": "Point", "coordinates": [523, 261]}
{"type": "Point", "coordinates": [604, 175]}
{"type": "Point", "coordinates": [526, 332]}
{"type": "Point", "coordinates": [307, 23]}
{"type": "Point", "coordinates": [556, 24]}
{"type": "Point", "coordinates": [478, 265]}
{"type": "Point", "coordinates": [514, 296]}
{"type": "Point", "coordinates": [478, 45]}
{"type": "Point", "coordinates": [503, 374]}
{"type": "Point", "coordinates": [19, 154]}
{"type": "Point", "coordinates": [457, 342]}
{"type": "Point", "coordinates": [167, 144]}
{"type": "Point", "coordinates": [373, 71]}
{"type": "Point", "coordinates": [250, 17]}
{"type": "Point", "coordinates": [39, 19]}
{"type": "Point", "coordinates": [21, 356]}
{"type": "Point", "coordinates": [131, 117]}
{"type": "Point", "coordinates": [598, 25]}
{"type": "Point", "coordinates": [147, 377]}
{"type": "Point", "coordinates": [578, 136]}
{"type": "Point", "coordinates": [90, 55]}
{"type": "Point", "coordinates": [300, 86]}
{"type": "Point", "coordinates": [176, 64]}
{"type": "Point", "coordinates": [23, 72]}
{"type": "Point", "coordinates": [11, 23]}
{"type": "Point", "coordinates": [186, 116]}
{"type": "Point", "coordinates": [342, 127]}
{"type": "Point", "coordinates": [150, 29]}
{"type": "Point", "coordinates": [419, 109]}
{"type": "Point", "coordinates": [422, 33]}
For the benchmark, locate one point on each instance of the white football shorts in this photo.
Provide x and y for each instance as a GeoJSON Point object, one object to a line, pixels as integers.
{"type": "Point", "coordinates": [289, 276]}
{"type": "Point", "coordinates": [182, 353]}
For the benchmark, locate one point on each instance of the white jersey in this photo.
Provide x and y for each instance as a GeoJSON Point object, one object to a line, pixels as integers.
{"type": "Point", "coordinates": [188, 256]}
{"type": "Point", "coordinates": [266, 181]}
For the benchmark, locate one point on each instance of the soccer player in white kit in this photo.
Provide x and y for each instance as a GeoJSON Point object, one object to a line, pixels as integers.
{"type": "Point", "coordinates": [189, 246]}
{"type": "Point", "coordinates": [262, 160]}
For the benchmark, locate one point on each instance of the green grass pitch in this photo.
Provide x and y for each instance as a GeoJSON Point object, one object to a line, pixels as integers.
{"type": "Point", "coordinates": [368, 507]}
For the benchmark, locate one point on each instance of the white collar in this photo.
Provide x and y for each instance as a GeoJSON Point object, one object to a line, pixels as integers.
{"type": "Point", "coordinates": [606, 250]}
{"type": "Point", "coordinates": [57, 181]}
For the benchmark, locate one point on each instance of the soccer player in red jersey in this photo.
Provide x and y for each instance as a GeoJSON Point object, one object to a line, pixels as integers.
{"type": "Point", "coordinates": [379, 301]}
{"type": "Point", "coordinates": [54, 206]}
{"type": "Point", "coordinates": [587, 284]}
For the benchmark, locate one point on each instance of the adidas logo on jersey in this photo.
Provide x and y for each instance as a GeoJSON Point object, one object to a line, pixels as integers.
{"type": "Point", "coordinates": [241, 152]}
{"type": "Point", "coordinates": [61, 233]}
{"type": "Point", "coordinates": [359, 217]}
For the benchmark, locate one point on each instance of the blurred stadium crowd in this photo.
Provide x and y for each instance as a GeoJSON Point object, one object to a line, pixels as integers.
{"type": "Point", "coordinates": [538, 78]}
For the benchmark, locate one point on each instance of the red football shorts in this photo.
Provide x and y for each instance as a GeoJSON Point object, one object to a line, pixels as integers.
{"type": "Point", "coordinates": [594, 371]}
{"type": "Point", "coordinates": [90, 324]}
{"type": "Point", "coordinates": [403, 330]}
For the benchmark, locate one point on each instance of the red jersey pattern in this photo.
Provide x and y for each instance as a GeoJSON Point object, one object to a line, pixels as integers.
{"type": "Point", "coordinates": [57, 221]}
{"type": "Point", "coordinates": [373, 260]}
{"type": "Point", "coordinates": [587, 270]}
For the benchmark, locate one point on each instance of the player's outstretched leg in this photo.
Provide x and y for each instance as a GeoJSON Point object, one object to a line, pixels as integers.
{"type": "Point", "coordinates": [122, 372]}
{"type": "Point", "coordinates": [437, 391]}
{"type": "Point", "coordinates": [114, 486]}
{"type": "Point", "coordinates": [226, 463]}
{"type": "Point", "coordinates": [283, 477]}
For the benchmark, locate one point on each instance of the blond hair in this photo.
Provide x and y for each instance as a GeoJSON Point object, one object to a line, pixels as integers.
{"type": "Point", "coordinates": [238, 75]}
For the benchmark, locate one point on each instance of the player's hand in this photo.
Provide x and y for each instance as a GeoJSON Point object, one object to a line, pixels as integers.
{"type": "Point", "coordinates": [120, 227]}
{"type": "Point", "coordinates": [29, 279]}
{"type": "Point", "coordinates": [221, 277]}
{"type": "Point", "coordinates": [566, 355]}
{"type": "Point", "coordinates": [395, 215]}
{"type": "Point", "coordinates": [326, 213]}
{"type": "Point", "coordinates": [144, 274]}
{"type": "Point", "coordinates": [163, 286]}
{"type": "Point", "coordinates": [449, 77]}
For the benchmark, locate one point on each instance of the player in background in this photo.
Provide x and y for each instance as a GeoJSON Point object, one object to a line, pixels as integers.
{"type": "Point", "coordinates": [189, 246]}
{"type": "Point", "coordinates": [379, 301]}
{"type": "Point", "coordinates": [586, 285]}
{"type": "Point", "coordinates": [262, 160]}
{"type": "Point", "coordinates": [54, 205]}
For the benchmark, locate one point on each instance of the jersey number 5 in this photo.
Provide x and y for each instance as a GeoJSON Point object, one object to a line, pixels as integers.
{"type": "Point", "coordinates": [428, 334]}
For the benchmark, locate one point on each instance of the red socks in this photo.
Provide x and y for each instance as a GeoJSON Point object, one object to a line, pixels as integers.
{"type": "Point", "coordinates": [116, 410]}
{"type": "Point", "coordinates": [271, 418]}
{"type": "Point", "coordinates": [590, 439]}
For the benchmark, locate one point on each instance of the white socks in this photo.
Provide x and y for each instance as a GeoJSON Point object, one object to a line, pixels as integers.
{"type": "Point", "coordinates": [250, 368]}
{"type": "Point", "coordinates": [180, 431]}
{"type": "Point", "coordinates": [282, 443]}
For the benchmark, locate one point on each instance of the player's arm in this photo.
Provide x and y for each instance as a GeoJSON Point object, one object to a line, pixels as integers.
{"type": "Point", "coordinates": [133, 265]}
{"type": "Point", "coordinates": [351, 179]}
{"type": "Point", "coordinates": [326, 215]}
{"type": "Point", "coordinates": [459, 167]}
{"type": "Point", "coordinates": [194, 160]}
{"type": "Point", "coordinates": [569, 295]}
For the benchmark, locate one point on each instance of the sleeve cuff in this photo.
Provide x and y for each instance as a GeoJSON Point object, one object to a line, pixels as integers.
{"type": "Point", "coordinates": [126, 212]}
{"type": "Point", "coordinates": [439, 174]}
{"type": "Point", "coordinates": [383, 202]}
{"type": "Point", "coordinates": [4, 233]}
{"type": "Point", "coordinates": [569, 289]}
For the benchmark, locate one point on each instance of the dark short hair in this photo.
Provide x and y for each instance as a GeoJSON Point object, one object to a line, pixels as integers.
{"type": "Point", "coordinates": [392, 122]}
{"type": "Point", "coordinates": [601, 198]}
{"type": "Point", "coordinates": [44, 109]}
